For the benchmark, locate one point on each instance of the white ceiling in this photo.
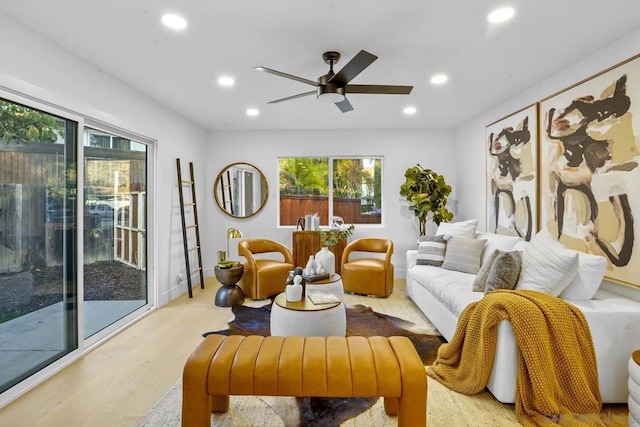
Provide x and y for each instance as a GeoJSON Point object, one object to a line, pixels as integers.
{"type": "Point", "coordinates": [486, 63]}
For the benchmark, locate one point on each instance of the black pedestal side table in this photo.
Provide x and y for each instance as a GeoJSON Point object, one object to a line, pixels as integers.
{"type": "Point", "coordinates": [229, 294]}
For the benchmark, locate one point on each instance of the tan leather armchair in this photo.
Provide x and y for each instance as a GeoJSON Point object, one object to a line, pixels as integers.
{"type": "Point", "coordinates": [264, 277]}
{"type": "Point", "coordinates": [371, 275]}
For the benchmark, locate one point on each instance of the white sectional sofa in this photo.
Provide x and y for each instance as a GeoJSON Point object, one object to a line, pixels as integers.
{"type": "Point", "coordinates": [614, 321]}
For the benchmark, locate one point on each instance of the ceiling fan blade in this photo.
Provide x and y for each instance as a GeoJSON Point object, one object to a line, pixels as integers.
{"type": "Point", "coordinates": [380, 89]}
{"type": "Point", "coordinates": [354, 67]}
{"type": "Point", "coordinates": [289, 98]}
{"type": "Point", "coordinates": [344, 105]}
{"type": "Point", "coordinates": [287, 76]}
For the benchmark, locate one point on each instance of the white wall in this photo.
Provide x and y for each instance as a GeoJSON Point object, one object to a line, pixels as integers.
{"type": "Point", "coordinates": [470, 138]}
{"type": "Point", "coordinates": [34, 66]}
{"type": "Point", "coordinates": [400, 149]}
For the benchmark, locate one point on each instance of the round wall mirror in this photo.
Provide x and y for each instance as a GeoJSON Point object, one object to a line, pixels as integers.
{"type": "Point", "coordinates": [241, 190]}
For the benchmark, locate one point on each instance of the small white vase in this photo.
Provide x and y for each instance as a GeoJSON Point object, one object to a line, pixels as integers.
{"type": "Point", "coordinates": [310, 269]}
{"type": "Point", "coordinates": [328, 260]}
{"type": "Point", "coordinates": [294, 292]}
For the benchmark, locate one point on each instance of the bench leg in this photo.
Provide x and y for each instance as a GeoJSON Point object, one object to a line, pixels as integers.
{"type": "Point", "coordinates": [196, 408]}
{"type": "Point", "coordinates": [219, 403]}
{"type": "Point", "coordinates": [391, 405]}
{"type": "Point", "coordinates": [412, 411]}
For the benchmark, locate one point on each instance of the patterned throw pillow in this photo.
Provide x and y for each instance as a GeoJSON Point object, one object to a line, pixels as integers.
{"type": "Point", "coordinates": [480, 281]}
{"type": "Point", "coordinates": [463, 254]}
{"type": "Point", "coordinates": [504, 272]}
{"type": "Point", "coordinates": [431, 250]}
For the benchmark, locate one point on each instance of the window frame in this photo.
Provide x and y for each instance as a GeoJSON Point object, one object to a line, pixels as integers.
{"type": "Point", "coordinates": [330, 159]}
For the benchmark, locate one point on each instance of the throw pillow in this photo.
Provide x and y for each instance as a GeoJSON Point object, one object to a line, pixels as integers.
{"type": "Point", "coordinates": [481, 278]}
{"type": "Point", "coordinates": [504, 272]}
{"type": "Point", "coordinates": [547, 266]}
{"type": "Point", "coordinates": [431, 250]}
{"type": "Point", "coordinates": [587, 280]}
{"type": "Point", "coordinates": [463, 254]}
{"type": "Point", "coordinates": [460, 229]}
{"type": "Point", "coordinates": [497, 241]}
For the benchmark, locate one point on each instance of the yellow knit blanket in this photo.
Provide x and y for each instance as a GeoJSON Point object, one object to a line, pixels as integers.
{"type": "Point", "coordinates": [557, 381]}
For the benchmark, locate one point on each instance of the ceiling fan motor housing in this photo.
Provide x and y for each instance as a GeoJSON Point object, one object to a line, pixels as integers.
{"type": "Point", "coordinates": [329, 91]}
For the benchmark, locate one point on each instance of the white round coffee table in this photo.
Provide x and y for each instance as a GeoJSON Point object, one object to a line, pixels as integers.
{"type": "Point", "coordinates": [331, 285]}
{"type": "Point", "coordinates": [306, 319]}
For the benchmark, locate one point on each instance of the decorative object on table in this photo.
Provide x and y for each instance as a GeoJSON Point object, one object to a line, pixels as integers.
{"type": "Point", "coordinates": [222, 255]}
{"type": "Point", "coordinates": [336, 222]}
{"type": "Point", "coordinates": [294, 290]}
{"type": "Point", "coordinates": [319, 266]}
{"type": "Point", "coordinates": [330, 238]}
{"type": "Point", "coordinates": [228, 273]}
{"type": "Point", "coordinates": [327, 259]}
{"type": "Point", "coordinates": [427, 192]}
{"type": "Point", "coordinates": [319, 297]}
{"type": "Point", "coordinates": [232, 233]}
{"type": "Point", "coordinates": [298, 271]}
{"type": "Point", "coordinates": [315, 277]}
{"type": "Point", "coordinates": [310, 269]}
{"type": "Point", "coordinates": [588, 198]}
{"type": "Point", "coordinates": [300, 224]}
{"type": "Point", "coordinates": [311, 222]}
{"type": "Point", "coordinates": [511, 146]}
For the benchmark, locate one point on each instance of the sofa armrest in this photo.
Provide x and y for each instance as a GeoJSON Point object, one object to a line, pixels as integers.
{"type": "Point", "coordinates": [412, 254]}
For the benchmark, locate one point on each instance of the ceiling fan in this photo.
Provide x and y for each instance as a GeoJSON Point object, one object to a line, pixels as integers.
{"type": "Point", "coordinates": [333, 87]}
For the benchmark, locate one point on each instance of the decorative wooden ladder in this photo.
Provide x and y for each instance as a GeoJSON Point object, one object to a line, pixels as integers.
{"type": "Point", "coordinates": [191, 183]}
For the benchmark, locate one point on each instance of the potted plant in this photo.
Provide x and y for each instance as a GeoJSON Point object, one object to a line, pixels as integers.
{"type": "Point", "coordinates": [331, 237]}
{"type": "Point", "coordinates": [426, 191]}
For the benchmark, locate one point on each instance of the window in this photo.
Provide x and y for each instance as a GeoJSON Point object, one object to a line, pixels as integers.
{"type": "Point", "coordinates": [353, 193]}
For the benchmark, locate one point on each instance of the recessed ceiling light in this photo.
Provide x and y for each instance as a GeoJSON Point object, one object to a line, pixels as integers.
{"type": "Point", "coordinates": [252, 112]}
{"type": "Point", "coordinates": [174, 22]}
{"type": "Point", "coordinates": [501, 15]}
{"type": "Point", "coordinates": [226, 81]}
{"type": "Point", "coordinates": [409, 110]}
{"type": "Point", "coordinates": [439, 79]}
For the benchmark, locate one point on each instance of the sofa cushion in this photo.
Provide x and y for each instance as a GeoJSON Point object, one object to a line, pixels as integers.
{"type": "Point", "coordinates": [587, 280]}
{"type": "Point", "coordinates": [431, 250]}
{"type": "Point", "coordinates": [463, 254]}
{"type": "Point", "coordinates": [504, 271]}
{"type": "Point", "coordinates": [449, 287]}
{"type": "Point", "coordinates": [497, 241]}
{"type": "Point", "coordinates": [481, 278]}
{"type": "Point", "coordinates": [547, 266]}
{"type": "Point", "coordinates": [460, 228]}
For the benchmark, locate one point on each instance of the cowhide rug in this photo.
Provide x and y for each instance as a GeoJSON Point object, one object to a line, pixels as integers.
{"type": "Point", "coordinates": [362, 321]}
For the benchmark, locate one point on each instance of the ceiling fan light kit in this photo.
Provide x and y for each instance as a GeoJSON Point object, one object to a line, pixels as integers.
{"type": "Point", "coordinates": [333, 87]}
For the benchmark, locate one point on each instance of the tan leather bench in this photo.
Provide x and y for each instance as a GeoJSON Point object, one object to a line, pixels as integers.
{"type": "Point", "coordinates": [296, 366]}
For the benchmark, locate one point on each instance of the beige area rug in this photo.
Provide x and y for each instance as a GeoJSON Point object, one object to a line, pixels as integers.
{"type": "Point", "coordinates": [254, 411]}
{"type": "Point", "coordinates": [284, 411]}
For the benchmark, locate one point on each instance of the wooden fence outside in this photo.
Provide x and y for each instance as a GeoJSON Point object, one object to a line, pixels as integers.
{"type": "Point", "coordinates": [292, 207]}
{"type": "Point", "coordinates": [33, 220]}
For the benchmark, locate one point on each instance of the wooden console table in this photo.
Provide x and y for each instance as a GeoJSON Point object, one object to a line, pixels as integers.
{"type": "Point", "coordinates": [307, 243]}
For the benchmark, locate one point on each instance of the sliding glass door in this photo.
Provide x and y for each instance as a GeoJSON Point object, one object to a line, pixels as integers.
{"type": "Point", "coordinates": [115, 218]}
{"type": "Point", "coordinates": [73, 238]}
{"type": "Point", "coordinates": [38, 223]}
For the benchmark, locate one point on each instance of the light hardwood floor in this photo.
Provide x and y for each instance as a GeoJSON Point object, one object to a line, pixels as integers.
{"type": "Point", "coordinates": [120, 381]}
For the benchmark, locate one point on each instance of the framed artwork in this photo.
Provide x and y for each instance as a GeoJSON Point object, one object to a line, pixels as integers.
{"type": "Point", "coordinates": [511, 146]}
{"type": "Point", "coordinates": [589, 174]}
